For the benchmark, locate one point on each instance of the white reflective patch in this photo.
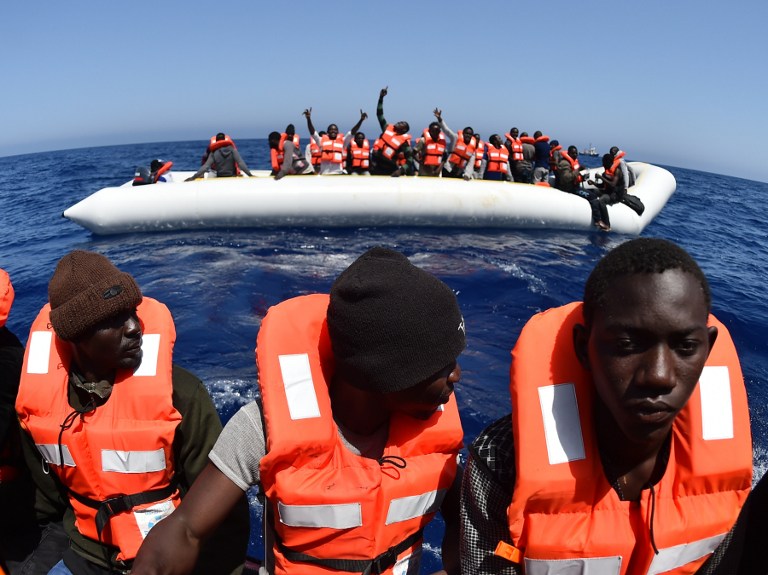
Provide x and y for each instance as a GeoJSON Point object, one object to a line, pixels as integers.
{"type": "Point", "coordinates": [679, 555]}
{"type": "Point", "coordinates": [50, 451]}
{"type": "Point", "coordinates": [562, 428]}
{"type": "Point", "coordinates": [591, 566]}
{"type": "Point", "coordinates": [716, 403]}
{"type": "Point", "coordinates": [406, 508]}
{"type": "Point", "coordinates": [39, 351]}
{"type": "Point", "coordinates": [150, 349]}
{"type": "Point", "coordinates": [132, 461]}
{"type": "Point", "coordinates": [299, 387]}
{"type": "Point", "coordinates": [147, 518]}
{"type": "Point", "coordinates": [408, 565]}
{"type": "Point", "coordinates": [341, 516]}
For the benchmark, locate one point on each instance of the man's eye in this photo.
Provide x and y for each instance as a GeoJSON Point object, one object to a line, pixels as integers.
{"type": "Point", "coordinates": [688, 346]}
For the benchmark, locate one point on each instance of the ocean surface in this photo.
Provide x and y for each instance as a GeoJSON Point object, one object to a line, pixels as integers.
{"type": "Point", "coordinates": [219, 284]}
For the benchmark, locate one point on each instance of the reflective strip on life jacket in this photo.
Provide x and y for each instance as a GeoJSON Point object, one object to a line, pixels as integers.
{"type": "Point", "coordinates": [497, 159]}
{"type": "Point", "coordinates": [517, 148]}
{"type": "Point", "coordinates": [299, 387]}
{"type": "Point", "coordinates": [50, 452]}
{"type": "Point", "coordinates": [405, 508]}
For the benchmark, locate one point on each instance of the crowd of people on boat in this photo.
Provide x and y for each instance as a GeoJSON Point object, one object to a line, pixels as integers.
{"type": "Point", "coordinates": [438, 152]}
{"type": "Point", "coordinates": [627, 451]}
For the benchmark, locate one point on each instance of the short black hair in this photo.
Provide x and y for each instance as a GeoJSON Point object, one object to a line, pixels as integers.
{"type": "Point", "coordinates": [220, 136]}
{"type": "Point", "coordinates": [638, 256]}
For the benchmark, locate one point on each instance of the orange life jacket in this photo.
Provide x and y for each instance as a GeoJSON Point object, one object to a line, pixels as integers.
{"type": "Point", "coordinates": [462, 151]}
{"type": "Point", "coordinates": [563, 507]}
{"type": "Point", "coordinates": [498, 159]}
{"type": "Point", "coordinates": [163, 169]}
{"type": "Point", "coordinates": [360, 154]}
{"type": "Point", "coordinates": [527, 140]}
{"type": "Point", "coordinates": [124, 446]}
{"type": "Point", "coordinates": [315, 152]}
{"type": "Point", "coordinates": [390, 142]}
{"type": "Point", "coordinates": [332, 150]}
{"type": "Point", "coordinates": [433, 149]}
{"type": "Point", "coordinates": [479, 151]}
{"type": "Point", "coordinates": [516, 145]}
{"type": "Point", "coordinates": [328, 503]}
{"type": "Point", "coordinates": [616, 163]}
{"type": "Point", "coordinates": [541, 139]}
{"type": "Point", "coordinates": [215, 144]}
{"type": "Point", "coordinates": [6, 296]}
{"type": "Point", "coordinates": [574, 165]}
{"type": "Point", "coordinates": [277, 156]}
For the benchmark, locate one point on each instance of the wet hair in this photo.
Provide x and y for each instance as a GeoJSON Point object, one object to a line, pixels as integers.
{"type": "Point", "coordinates": [638, 256]}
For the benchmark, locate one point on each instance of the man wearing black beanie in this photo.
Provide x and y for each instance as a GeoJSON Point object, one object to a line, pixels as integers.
{"type": "Point", "coordinates": [111, 423]}
{"type": "Point", "coordinates": [354, 443]}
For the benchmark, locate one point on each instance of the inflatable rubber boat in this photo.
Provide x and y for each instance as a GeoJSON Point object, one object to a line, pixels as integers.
{"type": "Point", "coordinates": [359, 201]}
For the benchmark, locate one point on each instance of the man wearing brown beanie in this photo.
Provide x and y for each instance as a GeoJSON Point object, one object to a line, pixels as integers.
{"type": "Point", "coordinates": [354, 443]}
{"type": "Point", "coordinates": [115, 432]}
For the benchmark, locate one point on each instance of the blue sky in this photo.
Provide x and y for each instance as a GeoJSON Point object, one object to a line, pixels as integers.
{"type": "Point", "coordinates": [674, 82]}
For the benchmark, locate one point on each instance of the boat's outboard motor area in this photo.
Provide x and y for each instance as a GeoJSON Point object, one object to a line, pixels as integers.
{"type": "Point", "coordinates": [142, 176]}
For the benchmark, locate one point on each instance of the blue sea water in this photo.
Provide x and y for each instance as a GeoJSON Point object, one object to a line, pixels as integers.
{"type": "Point", "coordinates": [219, 284]}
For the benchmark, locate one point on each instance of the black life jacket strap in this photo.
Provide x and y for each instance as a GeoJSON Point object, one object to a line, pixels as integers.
{"type": "Point", "coordinates": [108, 508]}
{"type": "Point", "coordinates": [373, 566]}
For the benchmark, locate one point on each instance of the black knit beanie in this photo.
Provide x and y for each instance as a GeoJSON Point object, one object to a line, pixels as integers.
{"type": "Point", "coordinates": [86, 289]}
{"type": "Point", "coordinates": [391, 324]}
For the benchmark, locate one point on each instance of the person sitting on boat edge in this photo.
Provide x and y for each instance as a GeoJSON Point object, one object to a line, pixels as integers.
{"type": "Point", "coordinates": [332, 145]}
{"type": "Point", "coordinates": [362, 430]}
{"type": "Point", "coordinates": [461, 150]}
{"type": "Point", "coordinates": [523, 170]}
{"type": "Point", "coordinates": [610, 426]}
{"type": "Point", "coordinates": [158, 172]}
{"type": "Point", "coordinates": [515, 146]}
{"type": "Point", "coordinates": [114, 431]}
{"type": "Point", "coordinates": [392, 153]}
{"type": "Point", "coordinates": [292, 162]}
{"type": "Point", "coordinates": [312, 153]}
{"type": "Point", "coordinates": [496, 160]}
{"type": "Point", "coordinates": [359, 156]}
{"type": "Point", "coordinates": [541, 161]}
{"type": "Point", "coordinates": [430, 150]}
{"type": "Point", "coordinates": [223, 158]}
{"type": "Point", "coordinates": [277, 153]}
{"type": "Point", "coordinates": [569, 179]}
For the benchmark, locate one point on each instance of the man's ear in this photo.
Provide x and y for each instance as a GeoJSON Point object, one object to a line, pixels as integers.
{"type": "Point", "coordinates": [581, 344]}
{"type": "Point", "coordinates": [712, 335]}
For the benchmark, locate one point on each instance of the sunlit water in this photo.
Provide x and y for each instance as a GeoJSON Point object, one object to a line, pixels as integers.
{"type": "Point", "coordinates": [219, 284]}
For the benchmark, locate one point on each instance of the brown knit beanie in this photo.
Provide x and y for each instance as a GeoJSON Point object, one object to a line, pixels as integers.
{"type": "Point", "coordinates": [391, 324]}
{"type": "Point", "coordinates": [86, 289]}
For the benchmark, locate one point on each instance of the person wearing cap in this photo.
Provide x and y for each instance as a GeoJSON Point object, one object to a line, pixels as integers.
{"type": "Point", "coordinates": [354, 443]}
{"type": "Point", "coordinates": [628, 450]}
{"type": "Point", "coordinates": [115, 432]}
{"type": "Point", "coordinates": [223, 157]}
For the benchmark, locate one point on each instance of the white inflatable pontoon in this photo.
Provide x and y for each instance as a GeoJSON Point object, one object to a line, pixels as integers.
{"type": "Point", "coordinates": [358, 201]}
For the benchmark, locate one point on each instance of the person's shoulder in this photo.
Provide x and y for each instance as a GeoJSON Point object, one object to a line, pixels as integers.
{"type": "Point", "coordinates": [185, 383]}
{"type": "Point", "coordinates": [494, 448]}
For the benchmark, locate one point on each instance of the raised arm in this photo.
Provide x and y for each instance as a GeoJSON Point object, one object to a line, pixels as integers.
{"type": "Point", "coordinates": [380, 109]}
{"type": "Point", "coordinates": [310, 126]}
{"type": "Point", "coordinates": [356, 127]}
